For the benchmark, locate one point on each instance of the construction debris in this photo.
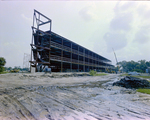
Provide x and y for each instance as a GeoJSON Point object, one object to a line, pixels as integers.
{"type": "Point", "coordinates": [132, 82]}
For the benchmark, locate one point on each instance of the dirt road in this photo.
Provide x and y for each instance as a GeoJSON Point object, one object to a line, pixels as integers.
{"type": "Point", "coordinates": [43, 97]}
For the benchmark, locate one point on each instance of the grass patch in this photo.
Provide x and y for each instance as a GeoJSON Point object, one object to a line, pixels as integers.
{"type": "Point", "coordinates": [94, 73]}
{"type": "Point", "coordinates": [4, 72]}
{"type": "Point", "coordinates": [101, 74]}
{"type": "Point", "coordinates": [125, 74]}
{"type": "Point", "coordinates": [145, 76]}
{"type": "Point", "coordinates": [136, 76]}
{"type": "Point", "coordinates": [142, 77]}
{"type": "Point", "coordinates": [147, 91]}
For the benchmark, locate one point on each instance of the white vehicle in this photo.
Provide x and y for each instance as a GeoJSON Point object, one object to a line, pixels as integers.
{"type": "Point", "coordinates": [133, 73]}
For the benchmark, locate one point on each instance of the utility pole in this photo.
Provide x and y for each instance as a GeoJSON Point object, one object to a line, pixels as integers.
{"type": "Point", "coordinates": [26, 60]}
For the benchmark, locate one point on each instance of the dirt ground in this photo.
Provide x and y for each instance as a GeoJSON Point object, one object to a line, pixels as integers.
{"type": "Point", "coordinates": [41, 96]}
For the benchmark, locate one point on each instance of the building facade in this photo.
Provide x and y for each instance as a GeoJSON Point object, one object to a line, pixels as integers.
{"type": "Point", "coordinates": [60, 54]}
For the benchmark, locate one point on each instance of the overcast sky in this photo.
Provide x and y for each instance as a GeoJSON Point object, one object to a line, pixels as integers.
{"type": "Point", "coordinates": [96, 25]}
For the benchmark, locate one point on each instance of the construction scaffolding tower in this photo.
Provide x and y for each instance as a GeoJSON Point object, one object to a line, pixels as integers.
{"type": "Point", "coordinates": [40, 46]}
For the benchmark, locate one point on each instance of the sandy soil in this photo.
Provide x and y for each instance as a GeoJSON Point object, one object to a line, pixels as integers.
{"type": "Point", "coordinates": [49, 97]}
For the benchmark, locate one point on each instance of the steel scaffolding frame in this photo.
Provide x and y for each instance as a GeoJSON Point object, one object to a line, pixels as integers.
{"type": "Point", "coordinates": [39, 20]}
{"type": "Point", "coordinates": [52, 50]}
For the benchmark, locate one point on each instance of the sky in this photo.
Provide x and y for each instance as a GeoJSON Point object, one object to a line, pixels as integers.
{"type": "Point", "coordinates": [96, 25]}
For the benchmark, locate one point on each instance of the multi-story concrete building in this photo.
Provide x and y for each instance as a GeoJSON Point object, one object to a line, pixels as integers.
{"type": "Point", "coordinates": [60, 54]}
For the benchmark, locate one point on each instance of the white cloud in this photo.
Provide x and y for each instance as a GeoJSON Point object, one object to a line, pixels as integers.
{"type": "Point", "coordinates": [122, 21]}
{"type": "Point", "coordinates": [120, 25]}
{"type": "Point", "coordinates": [115, 40]}
{"type": "Point", "coordinates": [29, 20]}
{"type": "Point", "coordinates": [88, 13]}
{"type": "Point", "coordinates": [98, 26]}
{"type": "Point", "coordinates": [142, 36]}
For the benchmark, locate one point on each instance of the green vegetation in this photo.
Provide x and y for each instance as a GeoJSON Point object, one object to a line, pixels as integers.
{"type": "Point", "coordinates": [14, 71]}
{"type": "Point", "coordinates": [2, 63]}
{"type": "Point", "coordinates": [125, 74]}
{"type": "Point", "coordinates": [2, 69]}
{"type": "Point", "coordinates": [111, 71]}
{"type": "Point", "coordinates": [16, 68]}
{"type": "Point", "coordinates": [142, 77]}
{"type": "Point", "coordinates": [147, 91]}
{"type": "Point", "coordinates": [148, 77]}
{"type": "Point", "coordinates": [94, 73]}
{"type": "Point", "coordinates": [4, 72]}
{"type": "Point", "coordinates": [139, 66]}
{"type": "Point", "coordinates": [101, 74]}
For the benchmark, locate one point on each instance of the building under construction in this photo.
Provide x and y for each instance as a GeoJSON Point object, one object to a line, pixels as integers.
{"type": "Point", "coordinates": [60, 54]}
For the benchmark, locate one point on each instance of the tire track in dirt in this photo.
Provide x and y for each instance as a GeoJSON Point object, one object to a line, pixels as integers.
{"type": "Point", "coordinates": [12, 109]}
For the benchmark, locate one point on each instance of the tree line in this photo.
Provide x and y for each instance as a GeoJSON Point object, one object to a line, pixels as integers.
{"type": "Point", "coordinates": [2, 68]}
{"type": "Point", "coordinates": [125, 66]}
{"type": "Point", "coordinates": [129, 66]}
{"type": "Point", "coordinates": [16, 68]}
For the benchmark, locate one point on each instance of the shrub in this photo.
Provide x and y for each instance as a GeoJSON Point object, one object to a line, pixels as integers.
{"type": "Point", "coordinates": [92, 72]}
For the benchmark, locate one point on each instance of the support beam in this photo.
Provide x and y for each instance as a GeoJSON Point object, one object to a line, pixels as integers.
{"type": "Point", "coordinates": [78, 58]}
{"type": "Point", "coordinates": [62, 57]}
{"type": "Point", "coordinates": [92, 60]}
{"type": "Point", "coordinates": [71, 59]}
{"type": "Point", "coordinates": [37, 42]}
{"type": "Point", "coordinates": [84, 60]}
